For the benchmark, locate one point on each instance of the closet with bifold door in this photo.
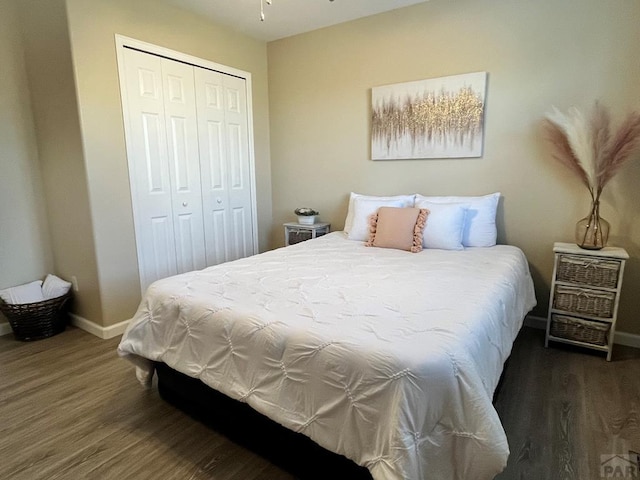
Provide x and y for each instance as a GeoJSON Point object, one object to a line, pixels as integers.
{"type": "Point", "coordinates": [189, 161]}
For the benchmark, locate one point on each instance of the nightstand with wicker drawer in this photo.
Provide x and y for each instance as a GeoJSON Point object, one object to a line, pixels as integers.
{"type": "Point", "coordinates": [585, 291]}
{"type": "Point", "coordinates": [297, 232]}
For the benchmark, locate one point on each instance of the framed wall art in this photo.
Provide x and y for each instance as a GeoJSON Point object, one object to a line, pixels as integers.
{"type": "Point", "coordinates": [434, 118]}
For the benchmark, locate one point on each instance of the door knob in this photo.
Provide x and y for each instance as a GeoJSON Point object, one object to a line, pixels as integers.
{"type": "Point", "coordinates": [184, 204]}
{"type": "Point", "coordinates": [219, 200]}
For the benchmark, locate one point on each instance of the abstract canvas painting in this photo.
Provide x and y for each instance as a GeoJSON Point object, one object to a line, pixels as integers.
{"type": "Point", "coordinates": [435, 118]}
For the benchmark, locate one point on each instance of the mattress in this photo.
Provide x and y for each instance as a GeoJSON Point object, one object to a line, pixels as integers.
{"type": "Point", "coordinates": [387, 357]}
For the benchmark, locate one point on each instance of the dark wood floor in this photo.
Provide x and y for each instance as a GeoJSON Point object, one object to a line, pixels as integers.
{"type": "Point", "coordinates": [565, 410]}
{"type": "Point", "coordinates": [71, 409]}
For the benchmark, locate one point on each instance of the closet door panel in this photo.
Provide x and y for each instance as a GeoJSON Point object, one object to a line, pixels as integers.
{"type": "Point", "coordinates": [149, 167]}
{"type": "Point", "coordinates": [239, 192]}
{"type": "Point", "coordinates": [234, 135]}
{"type": "Point", "coordinates": [184, 162]}
{"type": "Point", "coordinates": [218, 251]}
{"type": "Point", "coordinates": [241, 238]}
{"type": "Point", "coordinates": [188, 239]}
{"type": "Point", "coordinates": [188, 148]}
{"type": "Point", "coordinates": [214, 164]}
{"type": "Point", "coordinates": [214, 152]}
{"type": "Point", "coordinates": [162, 251]}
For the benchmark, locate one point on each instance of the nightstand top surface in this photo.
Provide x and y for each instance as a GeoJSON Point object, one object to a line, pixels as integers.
{"type": "Point", "coordinates": [301, 225]}
{"type": "Point", "coordinates": [572, 248]}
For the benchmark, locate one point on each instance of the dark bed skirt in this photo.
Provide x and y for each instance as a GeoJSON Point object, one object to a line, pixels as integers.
{"type": "Point", "coordinates": [291, 451]}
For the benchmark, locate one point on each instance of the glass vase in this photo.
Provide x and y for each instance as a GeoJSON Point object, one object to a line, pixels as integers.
{"type": "Point", "coordinates": [592, 232]}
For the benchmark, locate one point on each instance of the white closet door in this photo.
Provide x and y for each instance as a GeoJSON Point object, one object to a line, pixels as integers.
{"type": "Point", "coordinates": [240, 201]}
{"type": "Point", "coordinates": [149, 167]}
{"type": "Point", "coordinates": [225, 165]}
{"type": "Point", "coordinates": [187, 133]}
{"type": "Point", "coordinates": [184, 164]}
{"type": "Point", "coordinates": [164, 156]}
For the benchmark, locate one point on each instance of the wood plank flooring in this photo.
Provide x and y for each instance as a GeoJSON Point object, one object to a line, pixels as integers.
{"type": "Point", "coordinates": [564, 407]}
{"type": "Point", "coordinates": [71, 409]}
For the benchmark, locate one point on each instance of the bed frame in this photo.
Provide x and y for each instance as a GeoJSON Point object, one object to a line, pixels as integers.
{"type": "Point", "coordinates": [291, 451]}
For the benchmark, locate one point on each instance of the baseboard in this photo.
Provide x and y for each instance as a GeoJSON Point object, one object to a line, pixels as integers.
{"type": "Point", "coordinates": [534, 321]}
{"type": "Point", "coordinates": [83, 324]}
{"type": "Point", "coordinates": [97, 330]}
{"type": "Point", "coordinates": [627, 339]}
{"type": "Point", "coordinates": [5, 329]}
{"type": "Point", "coordinates": [621, 338]}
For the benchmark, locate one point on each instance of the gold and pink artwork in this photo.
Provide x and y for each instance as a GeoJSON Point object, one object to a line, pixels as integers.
{"type": "Point", "coordinates": [434, 118]}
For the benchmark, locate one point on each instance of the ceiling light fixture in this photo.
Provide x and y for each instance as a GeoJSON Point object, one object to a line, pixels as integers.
{"type": "Point", "coordinates": [262, 9]}
{"type": "Point", "coordinates": [268, 2]}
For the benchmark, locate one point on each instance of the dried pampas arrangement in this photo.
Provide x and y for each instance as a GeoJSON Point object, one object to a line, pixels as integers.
{"type": "Point", "coordinates": [589, 149]}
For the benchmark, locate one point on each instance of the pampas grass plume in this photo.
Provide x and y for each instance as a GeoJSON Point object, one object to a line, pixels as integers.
{"type": "Point", "coordinates": [587, 147]}
{"type": "Point", "coordinates": [562, 150]}
{"type": "Point", "coordinates": [624, 144]}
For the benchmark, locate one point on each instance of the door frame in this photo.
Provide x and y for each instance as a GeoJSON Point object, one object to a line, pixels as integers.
{"type": "Point", "coordinates": [123, 42]}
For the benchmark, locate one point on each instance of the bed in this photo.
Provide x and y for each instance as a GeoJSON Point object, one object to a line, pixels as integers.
{"type": "Point", "coordinates": [387, 357]}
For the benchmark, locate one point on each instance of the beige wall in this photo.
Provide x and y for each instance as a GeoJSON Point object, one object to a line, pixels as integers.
{"type": "Point", "coordinates": [537, 54]}
{"type": "Point", "coordinates": [25, 254]}
{"type": "Point", "coordinates": [92, 25]}
{"type": "Point", "coordinates": [50, 79]}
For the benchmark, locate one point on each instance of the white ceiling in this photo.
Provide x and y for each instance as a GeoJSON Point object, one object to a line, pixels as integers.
{"type": "Point", "coordinates": [287, 17]}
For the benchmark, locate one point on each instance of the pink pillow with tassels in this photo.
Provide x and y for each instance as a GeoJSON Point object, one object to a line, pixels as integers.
{"type": "Point", "coordinates": [399, 228]}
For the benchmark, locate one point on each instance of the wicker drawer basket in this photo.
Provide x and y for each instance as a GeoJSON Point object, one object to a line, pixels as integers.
{"type": "Point", "coordinates": [579, 330]}
{"type": "Point", "coordinates": [297, 236]}
{"type": "Point", "coordinates": [596, 272]}
{"type": "Point", "coordinates": [597, 303]}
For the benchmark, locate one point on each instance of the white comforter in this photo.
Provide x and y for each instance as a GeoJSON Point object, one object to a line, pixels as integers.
{"type": "Point", "coordinates": [388, 357]}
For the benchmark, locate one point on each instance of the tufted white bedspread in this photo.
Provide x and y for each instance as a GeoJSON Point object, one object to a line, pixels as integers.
{"type": "Point", "coordinates": [388, 357]}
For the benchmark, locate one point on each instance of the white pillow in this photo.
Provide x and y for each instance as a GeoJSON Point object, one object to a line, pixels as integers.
{"type": "Point", "coordinates": [363, 208]}
{"type": "Point", "coordinates": [480, 223]}
{"type": "Point", "coordinates": [27, 293]}
{"type": "Point", "coordinates": [445, 225]}
{"type": "Point", "coordinates": [54, 287]}
{"type": "Point", "coordinates": [407, 201]}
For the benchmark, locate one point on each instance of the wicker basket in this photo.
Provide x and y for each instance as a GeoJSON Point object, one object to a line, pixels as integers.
{"type": "Point", "coordinates": [579, 330]}
{"type": "Point", "coordinates": [598, 303]}
{"type": "Point", "coordinates": [596, 272]}
{"type": "Point", "coordinates": [33, 321]}
{"type": "Point", "coordinates": [299, 235]}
